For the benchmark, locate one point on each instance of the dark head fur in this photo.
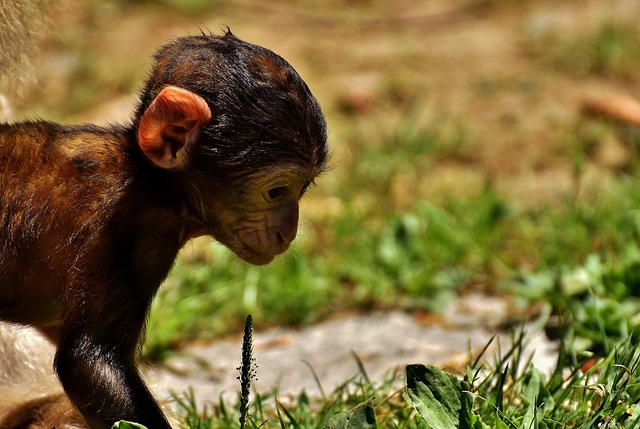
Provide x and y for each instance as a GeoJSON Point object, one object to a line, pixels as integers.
{"type": "Point", "coordinates": [263, 112]}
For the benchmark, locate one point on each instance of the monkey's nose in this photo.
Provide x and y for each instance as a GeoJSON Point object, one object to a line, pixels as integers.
{"type": "Point", "coordinates": [286, 235]}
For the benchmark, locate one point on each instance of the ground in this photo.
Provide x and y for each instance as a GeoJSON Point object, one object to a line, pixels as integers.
{"type": "Point", "coordinates": [295, 360]}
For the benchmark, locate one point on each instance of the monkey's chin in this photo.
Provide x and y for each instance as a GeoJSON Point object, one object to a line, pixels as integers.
{"type": "Point", "coordinates": [255, 258]}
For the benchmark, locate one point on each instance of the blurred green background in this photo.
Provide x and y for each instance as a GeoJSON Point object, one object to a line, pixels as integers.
{"type": "Point", "coordinates": [463, 156]}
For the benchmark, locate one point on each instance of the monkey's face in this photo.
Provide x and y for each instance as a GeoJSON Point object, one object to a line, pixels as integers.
{"type": "Point", "coordinates": [241, 130]}
{"type": "Point", "coordinates": [265, 223]}
{"type": "Point", "coordinates": [244, 194]}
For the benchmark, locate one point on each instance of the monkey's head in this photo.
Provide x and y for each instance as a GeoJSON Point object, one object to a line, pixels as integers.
{"type": "Point", "coordinates": [236, 126]}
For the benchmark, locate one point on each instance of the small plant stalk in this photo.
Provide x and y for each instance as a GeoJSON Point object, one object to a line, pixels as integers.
{"type": "Point", "coordinates": [247, 370]}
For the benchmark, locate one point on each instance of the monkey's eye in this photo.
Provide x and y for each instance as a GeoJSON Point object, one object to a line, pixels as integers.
{"type": "Point", "coordinates": [277, 192]}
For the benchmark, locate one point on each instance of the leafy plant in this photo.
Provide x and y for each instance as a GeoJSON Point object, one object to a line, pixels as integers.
{"type": "Point", "coordinates": [513, 394]}
{"type": "Point", "coordinates": [362, 416]}
{"type": "Point", "coordinates": [597, 304]}
{"type": "Point", "coordinates": [441, 399]}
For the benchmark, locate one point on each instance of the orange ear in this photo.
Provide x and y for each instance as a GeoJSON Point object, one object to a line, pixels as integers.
{"type": "Point", "coordinates": [171, 124]}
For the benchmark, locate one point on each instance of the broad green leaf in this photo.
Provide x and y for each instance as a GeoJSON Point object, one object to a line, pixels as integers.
{"type": "Point", "coordinates": [361, 417]}
{"type": "Point", "coordinates": [127, 425]}
{"type": "Point", "coordinates": [435, 395]}
{"type": "Point", "coordinates": [440, 398]}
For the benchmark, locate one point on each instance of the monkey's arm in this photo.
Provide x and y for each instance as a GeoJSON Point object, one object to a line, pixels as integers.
{"type": "Point", "coordinates": [99, 374]}
{"type": "Point", "coordinates": [106, 305]}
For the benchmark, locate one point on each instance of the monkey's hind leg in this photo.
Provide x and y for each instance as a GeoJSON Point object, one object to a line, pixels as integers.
{"type": "Point", "coordinates": [52, 411]}
{"type": "Point", "coordinates": [30, 395]}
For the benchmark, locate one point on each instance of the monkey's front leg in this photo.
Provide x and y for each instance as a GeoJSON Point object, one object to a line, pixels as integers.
{"type": "Point", "coordinates": [95, 364]}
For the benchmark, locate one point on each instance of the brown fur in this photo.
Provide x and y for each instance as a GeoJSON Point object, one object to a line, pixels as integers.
{"type": "Point", "coordinates": [226, 139]}
{"type": "Point", "coordinates": [53, 411]}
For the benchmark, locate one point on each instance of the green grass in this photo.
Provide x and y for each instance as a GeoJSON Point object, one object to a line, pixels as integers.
{"type": "Point", "coordinates": [598, 300]}
{"type": "Point", "coordinates": [504, 391]}
{"type": "Point", "coordinates": [416, 260]}
{"type": "Point", "coordinates": [512, 393]}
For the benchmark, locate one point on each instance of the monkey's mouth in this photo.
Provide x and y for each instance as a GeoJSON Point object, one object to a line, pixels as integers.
{"type": "Point", "coordinates": [258, 256]}
{"type": "Point", "coordinates": [258, 248]}
{"type": "Point", "coordinates": [252, 248]}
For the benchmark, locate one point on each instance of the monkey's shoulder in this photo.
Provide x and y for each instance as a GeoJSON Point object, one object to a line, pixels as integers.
{"type": "Point", "coordinates": [83, 146]}
{"type": "Point", "coordinates": [89, 147]}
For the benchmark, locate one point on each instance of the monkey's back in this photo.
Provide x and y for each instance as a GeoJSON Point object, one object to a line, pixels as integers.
{"type": "Point", "coordinates": [57, 186]}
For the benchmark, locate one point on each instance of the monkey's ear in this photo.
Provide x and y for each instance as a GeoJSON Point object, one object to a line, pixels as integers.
{"type": "Point", "coordinates": [171, 124]}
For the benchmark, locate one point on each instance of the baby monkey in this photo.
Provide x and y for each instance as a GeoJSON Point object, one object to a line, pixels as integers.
{"type": "Point", "coordinates": [225, 141]}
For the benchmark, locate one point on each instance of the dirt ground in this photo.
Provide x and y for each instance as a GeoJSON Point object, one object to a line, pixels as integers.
{"type": "Point", "coordinates": [384, 343]}
{"type": "Point", "coordinates": [290, 359]}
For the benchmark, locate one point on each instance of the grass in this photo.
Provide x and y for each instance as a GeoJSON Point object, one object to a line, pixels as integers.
{"type": "Point", "coordinates": [513, 393]}
{"type": "Point", "coordinates": [506, 391]}
{"type": "Point", "coordinates": [416, 259]}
